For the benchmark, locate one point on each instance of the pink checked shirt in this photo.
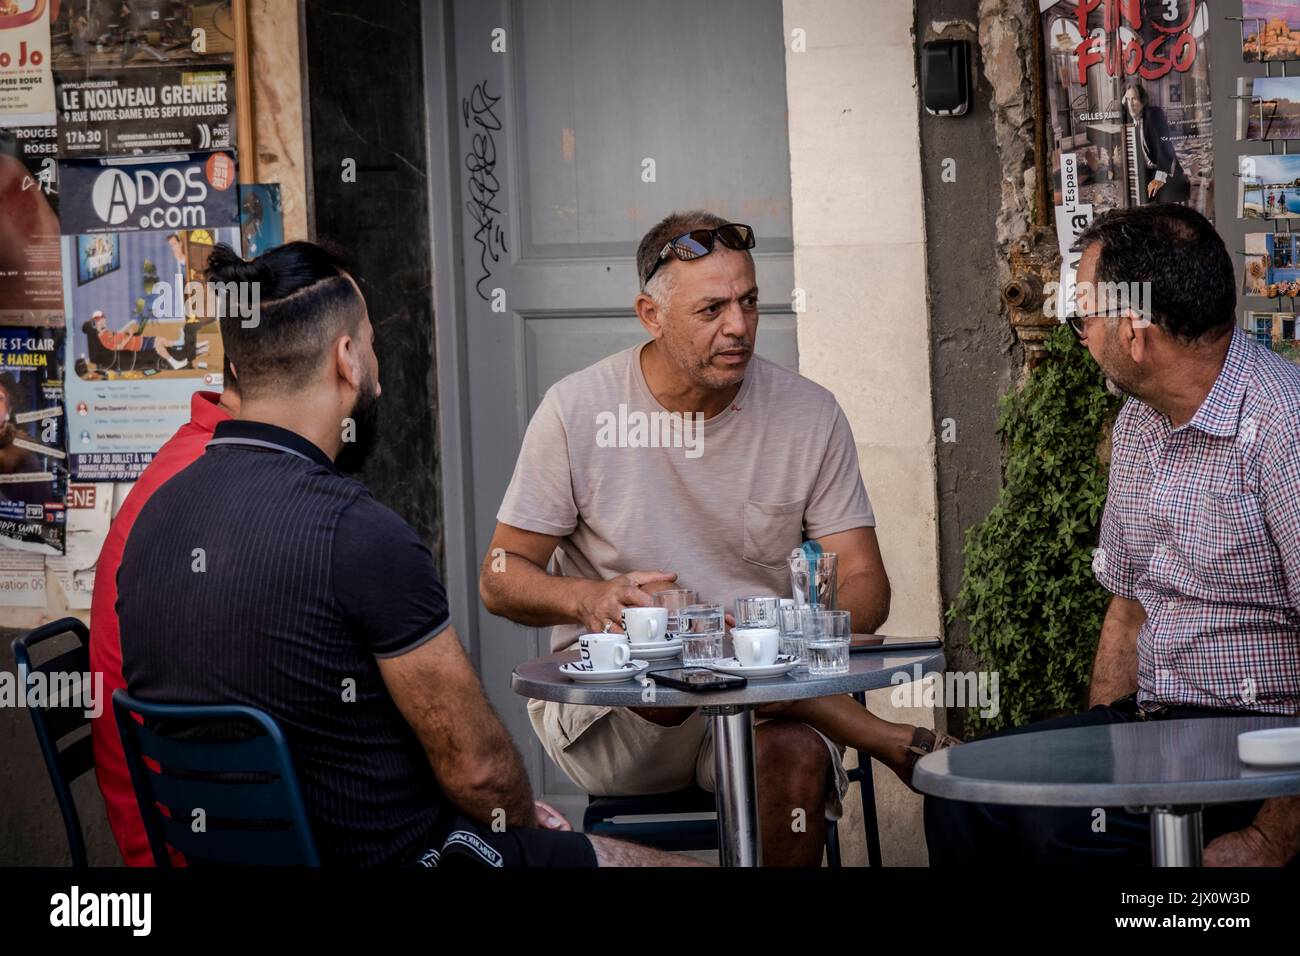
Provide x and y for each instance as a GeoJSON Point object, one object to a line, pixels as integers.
{"type": "Point", "coordinates": [1202, 526]}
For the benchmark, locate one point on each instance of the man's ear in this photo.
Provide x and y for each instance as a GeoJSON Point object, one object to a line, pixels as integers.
{"type": "Point", "coordinates": [347, 359]}
{"type": "Point", "coordinates": [1135, 333]}
{"type": "Point", "coordinates": [649, 314]}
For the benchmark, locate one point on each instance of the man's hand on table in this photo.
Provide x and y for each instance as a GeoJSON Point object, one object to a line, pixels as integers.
{"type": "Point", "coordinates": [602, 602]}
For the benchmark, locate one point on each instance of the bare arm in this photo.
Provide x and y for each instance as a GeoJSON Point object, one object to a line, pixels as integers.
{"type": "Point", "coordinates": [438, 692]}
{"type": "Point", "coordinates": [1114, 668]}
{"type": "Point", "coordinates": [513, 583]}
{"type": "Point", "coordinates": [863, 588]}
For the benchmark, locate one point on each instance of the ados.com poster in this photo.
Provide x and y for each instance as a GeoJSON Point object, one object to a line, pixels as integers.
{"type": "Point", "coordinates": [137, 233]}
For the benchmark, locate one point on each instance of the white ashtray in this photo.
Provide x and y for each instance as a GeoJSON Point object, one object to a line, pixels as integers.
{"type": "Point", "coordinates": [1276, 747]}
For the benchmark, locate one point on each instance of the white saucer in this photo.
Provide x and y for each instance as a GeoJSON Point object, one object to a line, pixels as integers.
{"type": "Point", "coordinates": [729, 665]}
{"type": "Point", "coordinates": [1277, 747]}
{"type": "Point", "coordinates": [629, 671]}
{"type": "Point", "coordinates": [657, 650]}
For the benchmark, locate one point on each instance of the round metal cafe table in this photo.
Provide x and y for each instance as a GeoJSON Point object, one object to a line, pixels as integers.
{"type": "Point", "coordinates": [731, 717]}
{"type": "Point", "coordinates": [1168, 768]}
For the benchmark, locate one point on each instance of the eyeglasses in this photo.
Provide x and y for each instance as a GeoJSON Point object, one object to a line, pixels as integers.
{"type": "Point", "coordinates": [698, 243]}
{"type": "Point", "coordinates": [1079, 322]}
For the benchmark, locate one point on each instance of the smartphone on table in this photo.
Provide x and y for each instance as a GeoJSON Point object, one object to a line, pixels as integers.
{"type": "Point", "coordinates": [696, 679]}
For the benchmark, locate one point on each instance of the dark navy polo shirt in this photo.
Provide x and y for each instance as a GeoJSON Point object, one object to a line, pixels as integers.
{"type": "Point", "coordinates": [259, 575]}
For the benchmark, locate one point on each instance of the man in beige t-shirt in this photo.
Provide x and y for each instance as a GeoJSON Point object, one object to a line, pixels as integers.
{"type": "Point", "coordinates": [687, 461]}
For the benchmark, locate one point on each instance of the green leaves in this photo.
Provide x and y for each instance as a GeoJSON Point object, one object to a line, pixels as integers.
{"type": "Point", "coordinates": [1028, 594]}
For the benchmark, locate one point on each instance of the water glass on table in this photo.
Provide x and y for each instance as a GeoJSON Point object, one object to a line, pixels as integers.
{"type": "Point", "coordinates": [757, 611]}
{"type": "Point", "coordinates": [826, 641]}
{"type": "Point", "coordinates": [701, 628]}
{"type": "Point", "coordinates": [674, 600]}
{"type": "Point", "coordinates": [790, 624]}
{"type": "Point", "coordinates": [815, 580]}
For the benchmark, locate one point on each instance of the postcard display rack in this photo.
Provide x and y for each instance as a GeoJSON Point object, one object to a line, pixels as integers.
{"type": "Point", "coordinates": [1278, 226]}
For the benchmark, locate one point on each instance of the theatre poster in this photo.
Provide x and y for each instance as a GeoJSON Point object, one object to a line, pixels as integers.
{"type": "Point", "coordinates": [26, 84]}
{"type": "Point", "coordinates": [31, 287]}
{"type": "Point", "coordinates": [33, 461]}
{"type": "Point", "coordinates": [1129, 111]}
{"type": "Point", "coordinates": [137, 237]}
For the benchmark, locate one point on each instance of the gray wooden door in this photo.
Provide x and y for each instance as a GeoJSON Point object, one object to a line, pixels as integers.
{"type": "Point", "coordinates": [574, 126]}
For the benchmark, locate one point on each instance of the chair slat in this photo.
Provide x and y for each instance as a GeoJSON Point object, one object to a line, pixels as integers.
{"type": "Point", "coordinates": [233, 801]}
{"type": "Point", "coordinates": [74, 661]}
{"type": "Point", "coordinates": [61, 721]}
{"type": "Point", "coordinates": [257, 754]}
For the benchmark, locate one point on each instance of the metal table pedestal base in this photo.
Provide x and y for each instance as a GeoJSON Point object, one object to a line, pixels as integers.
{"type": "Point", "coordinates": [737, 785]}
{"type": "Point", "coordinates": [1176, 838]}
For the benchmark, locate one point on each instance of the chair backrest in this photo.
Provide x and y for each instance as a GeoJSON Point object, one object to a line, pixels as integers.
{"type": "Point", "coordinates": [68, 754]}
{"type": "Point", "coordinates": [218, 797]}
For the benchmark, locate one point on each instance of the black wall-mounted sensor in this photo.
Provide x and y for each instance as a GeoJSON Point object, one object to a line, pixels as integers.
{"type": "Point", "coordinates": [945, 77]}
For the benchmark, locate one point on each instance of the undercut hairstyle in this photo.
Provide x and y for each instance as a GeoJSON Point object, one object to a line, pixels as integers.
{"type": "Point", "coordinates": [1193, 292]}
{"type": "Point", "coordinates": [665, 231]}
{"type": "Point", "coordinates": [306, 301]}
{"type": "Point", "coordinates": [228, 382]}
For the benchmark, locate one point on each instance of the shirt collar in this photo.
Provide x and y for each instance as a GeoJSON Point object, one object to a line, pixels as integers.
{"type": "Point", "coordinates": [235, 431]}
{"type": "Point", "coordinates": [206, 411]}
{"type": "Point", "coordinates": [1221, 410]}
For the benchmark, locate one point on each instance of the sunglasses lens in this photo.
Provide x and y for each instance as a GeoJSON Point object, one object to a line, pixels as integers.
{"type": "Point", "coordinates": [693, 245]}
{"type": "Point", "coordinates": [735, 236]}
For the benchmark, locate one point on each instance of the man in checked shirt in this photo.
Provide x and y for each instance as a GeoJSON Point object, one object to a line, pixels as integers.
{"type": "Point", "coordinates": [1200, 540]}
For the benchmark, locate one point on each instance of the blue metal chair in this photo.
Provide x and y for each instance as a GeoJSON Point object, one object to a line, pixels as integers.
{"type": "Point", "coordinates": [691, 817]}
{"type": "Point", "coordinates": [242, 788]}
{"type": "Point", "coordinates": [67, 751]}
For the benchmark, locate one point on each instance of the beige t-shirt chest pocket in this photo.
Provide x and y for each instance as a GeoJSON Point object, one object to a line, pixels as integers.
{"type": "Point", "coordinates": [772, 531]}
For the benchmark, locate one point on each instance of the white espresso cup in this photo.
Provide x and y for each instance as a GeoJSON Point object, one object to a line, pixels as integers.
{"type": "Point", "coordinates": [756, 646]}
{"type": "Point", "coordinates": [645, 625]}
{"type": "Point", "coordinates": [603, 652]}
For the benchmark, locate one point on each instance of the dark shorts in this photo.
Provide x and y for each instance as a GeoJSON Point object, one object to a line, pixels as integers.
{"type": "Point", "coordinates": [468, 843]}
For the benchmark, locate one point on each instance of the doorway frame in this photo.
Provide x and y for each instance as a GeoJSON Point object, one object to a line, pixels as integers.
{"type": "Point", "coordinates": [461, 571]}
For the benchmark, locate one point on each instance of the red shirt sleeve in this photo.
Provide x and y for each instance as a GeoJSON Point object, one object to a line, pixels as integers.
{"type": "Point", "coordinates": [181, 450]}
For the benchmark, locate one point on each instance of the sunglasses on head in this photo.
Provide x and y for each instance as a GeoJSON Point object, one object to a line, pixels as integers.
{"type": "Point", "coordinates": [698, 243]}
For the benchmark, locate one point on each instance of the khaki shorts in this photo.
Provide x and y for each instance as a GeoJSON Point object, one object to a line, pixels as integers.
{"type": "Point", "coordinates": [611, 751]}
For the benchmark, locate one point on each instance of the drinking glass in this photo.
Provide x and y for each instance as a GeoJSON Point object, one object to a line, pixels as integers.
{"type": "Point", "coordinates": [757, 611]}
{"type": "Point", "coordinates": [701, 648]}
{"type": "Point", "coordinates": [791, 626]}
{"type": "Point", "coordinates": [826, 636]}
{"type": "Point", "coordinates": [675, 599]}
{"type": "Point", "coordinates": [701, 619]}
{"type": "Point", "coordinates": [815, 581]}
{"type": "Point", "coordinates": [701, 628]}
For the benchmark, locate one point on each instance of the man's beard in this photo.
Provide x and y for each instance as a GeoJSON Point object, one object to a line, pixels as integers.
{"type": "Point", "coordinates": [1123, 377]}
{"type": "Point", "coordinates": [703, 372]}
{"type": "Point", "coordinates": [365, 431]}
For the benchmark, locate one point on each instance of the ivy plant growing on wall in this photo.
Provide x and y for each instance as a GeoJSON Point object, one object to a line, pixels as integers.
{"type": "Point", "coordinates": [1028, 593]}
